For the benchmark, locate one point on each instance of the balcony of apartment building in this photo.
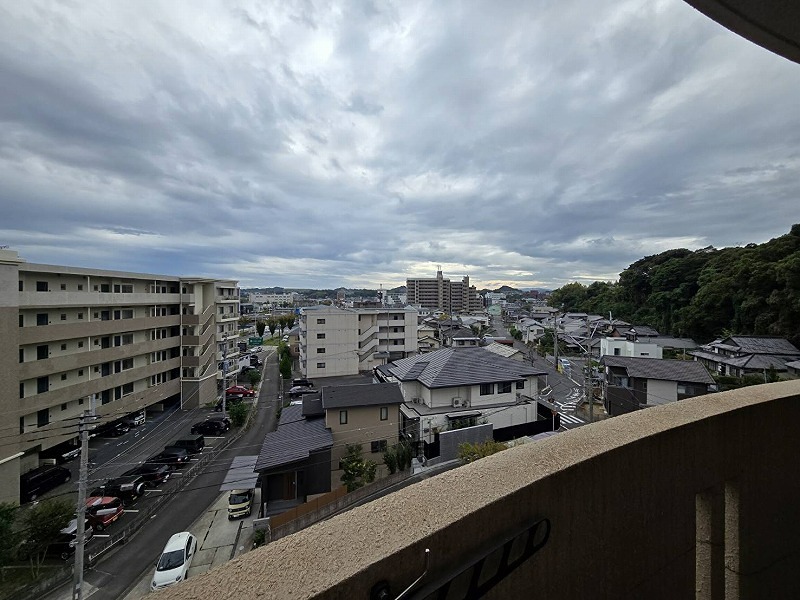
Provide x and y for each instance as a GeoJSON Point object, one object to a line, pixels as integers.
{"type": "Point", "coordinates": [697, 498]}
{"type": "Point", "coordinates": [58, 298]}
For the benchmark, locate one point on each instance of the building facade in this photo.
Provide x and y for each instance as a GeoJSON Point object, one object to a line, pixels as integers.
{"type": "Point", "coordinates": [345, 341]}
{"type": "Point", "coordinates": [121, 342]}
{"type": "Point", "coordinates": [453, 297]}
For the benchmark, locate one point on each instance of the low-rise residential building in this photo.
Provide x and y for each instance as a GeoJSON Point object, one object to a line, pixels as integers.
{"type": "Point", "coordinates": [460, 387]}
{"type": "Point", "coordinates": [629, 346]}
{"type": "Point", "coordinates": [631, 383]}
{"type": "Point", "coordinates": [739, 355]}
{"type": "Point", "coordinates": [123, 342]}
{"type": "Point", "coordinates": [338, 341]}
{"type": "Point", "coordinates": [368, 415]}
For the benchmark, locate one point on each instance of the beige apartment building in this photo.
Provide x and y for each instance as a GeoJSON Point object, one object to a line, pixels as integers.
{"type": "Point", "coordinates": [345, 341]}
{"type": "Point", "coordinates": [121, 342]}
{"type": "Point", "coordinates": [453, 297]}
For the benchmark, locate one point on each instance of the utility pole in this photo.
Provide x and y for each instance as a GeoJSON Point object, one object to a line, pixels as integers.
{"type": "Point", "coordinates": [80, 512]}
{"type": "Point", "coordinates": [587, 377]}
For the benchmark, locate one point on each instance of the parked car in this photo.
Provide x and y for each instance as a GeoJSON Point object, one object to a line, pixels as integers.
{"type": "Point", "coordinates": [301, 383]}
{"type": "Point", "coordinates": [210, 427]}
{"type": "Point", "coordinates": [174, 562]}
{"type": "Point", "coordinates": [127, 488]}
{"type": "Point", "coordinates": [240, 503]}
{"type": "Point", "coordinates": [134, 419]}
{"type": "Point", "coordinates": [63, 545]}
{"type": "Point", "coordinates": [256, 349]}
{"type": "Point", "coordinates": [102, 511]}
{"type": "Point", "coordinates": [300, 390]}
{"type": "Point", "coordinates": [38, 481]}
{"type": "Point", "coordinates": [193, 444]}
{"type": "Point", "coordinates": [155, 473]}
{"type": "Point", "coordinates": [174, 457]}
{"type": "Point", "coordinates": [115, 429]}
{"type": "Point", "coordinates": [240, 390]}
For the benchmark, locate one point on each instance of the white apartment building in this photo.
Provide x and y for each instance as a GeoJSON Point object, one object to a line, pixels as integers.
{"type": "Point", "coordinates": [345, 341]}
{"type": "Point", "coordinates": [75, 337]}
{"type": "Point", "coordinates": [273, 299]}
{"type": "Point", "coordinates": [612, 346]}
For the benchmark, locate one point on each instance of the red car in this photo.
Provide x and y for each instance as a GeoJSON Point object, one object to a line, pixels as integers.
{"type": "Point", "coordinates": [101, 511]}
{"type": "Point", "coordinates": [240, 390]}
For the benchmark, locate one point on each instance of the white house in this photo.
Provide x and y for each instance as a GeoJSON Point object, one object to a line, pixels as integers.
{"type": "Point", "coordinates": [457, 387]}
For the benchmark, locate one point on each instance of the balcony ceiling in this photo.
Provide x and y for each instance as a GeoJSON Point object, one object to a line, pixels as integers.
{"type": "Point", "coordinates": [772, 24]}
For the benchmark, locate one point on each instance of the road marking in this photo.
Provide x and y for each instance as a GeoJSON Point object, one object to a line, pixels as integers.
{"type": "Point", "coordinates": [131, 510]}
{"type": "Point", "coordinates": [152, 490]}
{"type": "Point", "coordinates": [101, 535]}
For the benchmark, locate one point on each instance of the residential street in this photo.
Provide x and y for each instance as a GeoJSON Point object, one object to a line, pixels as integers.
{"type": "Point", "coordinates": [120, 572]}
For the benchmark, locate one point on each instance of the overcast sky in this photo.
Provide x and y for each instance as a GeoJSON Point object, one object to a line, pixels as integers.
{"type": "Point", "coordinates": [312, 144]}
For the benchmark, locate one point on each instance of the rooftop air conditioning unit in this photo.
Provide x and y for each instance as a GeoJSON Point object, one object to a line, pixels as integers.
{"type": "Point", "coordinates": [465, 404]}
{"type": "Point", "coordinates": [457, 402]}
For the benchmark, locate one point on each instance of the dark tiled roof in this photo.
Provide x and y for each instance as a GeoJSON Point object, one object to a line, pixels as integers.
{"type": "Point", "coordinates": [643, 330]}
{"type": "Point", "coordinates": [762, 345]}
{"type": "Point", "coordinates": [656, 368]}
{"type": "Point", "coordinates": [312, 406]}
{"type": "Point", "coordinates": [371, 394]}
{"type": "Point", "coordinates": [293, 441]}
{"type": "Point", "coordinates": [463, 366]}
{"type": "Point", "coordinates": [748, 361]}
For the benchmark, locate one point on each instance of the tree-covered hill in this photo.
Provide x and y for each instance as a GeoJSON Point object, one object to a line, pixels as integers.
{"type": "Point", "coordinates": [698, 294]}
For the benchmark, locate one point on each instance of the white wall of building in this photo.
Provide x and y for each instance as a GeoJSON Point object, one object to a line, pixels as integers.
{"type": "Point", "coordinates": [622, 347]}
{"type": "Point", "coordinates": [661, 392]}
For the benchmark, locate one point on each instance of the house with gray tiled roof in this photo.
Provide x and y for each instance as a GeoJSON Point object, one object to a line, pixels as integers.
{"type": "Point", "coordinates": [631, 383]}
{"type": "Point", "coordinates": [739, 355]}
{"type": "Point", "coordinates": [457, 387]}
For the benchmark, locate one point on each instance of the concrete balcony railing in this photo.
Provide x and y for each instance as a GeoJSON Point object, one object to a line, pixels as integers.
{"type": "Point", "coordinates": [697, 498]}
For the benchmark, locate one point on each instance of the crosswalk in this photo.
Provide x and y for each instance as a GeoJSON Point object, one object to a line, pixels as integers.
{"type": "Point", "coordinates": [570, 405]}
{"type": "Point", "coordinates": [571, 419]}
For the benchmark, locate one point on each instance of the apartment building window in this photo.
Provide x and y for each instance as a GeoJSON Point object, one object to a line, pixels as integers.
{"type": "Point", "coordinates": [41, 319]}
{"type": "Point", "coordinates": [320, 321]}
{"type": "Point", "coordinates": [80, 315]}
{"type": "Point", "coordinates": [63, 287]}
{"type": "Point", "coordinates": [80, 287]}
{"type": "Point", "coordinates": [504, 387]}
{"type": "Point", "coordinates": [520, 385]}
{"type": "Point", "coordinates": [320, 365]}
{"type": "Point", "coordinates": [378, 446]}
{"type": "Point", "coordinates": [127, 389]}
{"type": "Point", "coordinates": [342, 417]}
{"type": "Point", "coordinates": [42, 417]}
{"type": "Point", "coordinates": [64, 406]}
{"type": "Point", "coordinates": [21, 321]}
{"type": "Point", "coordinates": [616, 351]}
{"type": "Point", "coordinates": [80, 373]}
{"type": "Point", "coordinates": [63, 377]}
{"type": "Point", "coordinates": [42, 384]}
{"type": "Point", "coordinates": [80, 344]}
{"type": "Point", "coordinates": [22, 355]}
{"type": "Point", "coordinates": [20, 285]}
{"type": "Point", "coordinates": [487, 389]}
{"type": "Point", "coordinates": [384, 413]}
{"type": "Point", "coordinates": [41, 286]}
{"type": "Point", "coordinates": [320, 336]}
{"type": "Point", "coordinates": [21, 389]}
{"type": "Point", "coordinates": [63, 316]}
{"type": "Point", "coordinates": [63, 347]}
{"type": "Point", "coordinates": [320, 350]}
{"type": "Point", "coordinates": [104, 287]}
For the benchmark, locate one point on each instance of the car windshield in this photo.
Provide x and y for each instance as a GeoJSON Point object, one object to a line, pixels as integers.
{"type": "Point", "coordinates": [170, 560]}
{"type": "Point", "coordinates": [238, 498]}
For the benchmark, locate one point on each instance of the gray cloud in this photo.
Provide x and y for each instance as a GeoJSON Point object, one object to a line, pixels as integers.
{"type": "Point", "coordinates": [320, 144]}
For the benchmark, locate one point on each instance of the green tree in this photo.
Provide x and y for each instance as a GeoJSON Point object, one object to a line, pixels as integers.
{"type": "Point", "coordinates": [398, 457]}
{"type": "Point", "coordinates": [8, 535]}
{"type": "Point", "coordinates": [238, 413]}
{"type": "Point", "coordinates": [285, 367]}
{"type": "Point", "coordinates": [260, 327]}
{"type": "Point", "coordinates": [272, 324]}
{"type": "Point", "coordinates": [357, 472]}
{"type": "Point", "coordinates": [42, 524]}
{"type": "Point", "coordinates": [253, 376]}
{"type": "Point", "coordinates": [471, 452]}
